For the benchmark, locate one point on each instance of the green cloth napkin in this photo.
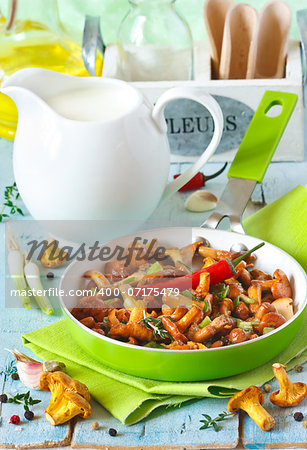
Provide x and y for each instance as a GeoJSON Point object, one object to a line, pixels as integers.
{"type": "Point", "coordinates": [284, 224]}
{"type": "Point", "coordinates": [129, 398]}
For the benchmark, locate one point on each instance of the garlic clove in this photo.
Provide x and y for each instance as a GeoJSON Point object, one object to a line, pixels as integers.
{"type": "Point", "coordinates": [201, 201]}
{"type": "Point", "coordinates": [30, 371]}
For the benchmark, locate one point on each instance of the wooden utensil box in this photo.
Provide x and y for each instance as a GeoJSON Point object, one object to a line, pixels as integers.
{"type": "Point", "coordinates": [190, 126]}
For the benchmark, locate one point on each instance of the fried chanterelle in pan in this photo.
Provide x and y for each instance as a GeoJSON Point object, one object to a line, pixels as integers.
{"type": "Point", "coordinates": [160, 302]}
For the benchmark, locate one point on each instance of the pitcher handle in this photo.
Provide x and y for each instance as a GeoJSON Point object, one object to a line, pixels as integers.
{"type": "Point", "coordinates": [213, 107]}
{"type": "Point", "coordinates": [92, 43]}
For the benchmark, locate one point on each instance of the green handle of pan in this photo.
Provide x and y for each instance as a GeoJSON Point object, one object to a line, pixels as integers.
{"type": "Point", "coordinates": [262, 137]}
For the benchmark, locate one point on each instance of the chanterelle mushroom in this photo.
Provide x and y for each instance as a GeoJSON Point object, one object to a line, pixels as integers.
{"type": "Point", "coordinates": [69, 398]}
{"type": "Point", "coordinates": [251, 400]}
{"type": "Point", "coordinates": [289, 394]}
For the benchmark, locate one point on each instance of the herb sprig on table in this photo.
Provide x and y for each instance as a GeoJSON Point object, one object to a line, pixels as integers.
{"type": "Point", "coordinates": [10, 204]}
{"type": "Point", "coordinates": [25, 399]}
{"type": "Point", "coordinates": [208, 422]}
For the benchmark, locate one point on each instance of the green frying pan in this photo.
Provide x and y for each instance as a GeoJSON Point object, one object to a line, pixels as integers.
{"type": "Point", "coordinates": [248, 168]}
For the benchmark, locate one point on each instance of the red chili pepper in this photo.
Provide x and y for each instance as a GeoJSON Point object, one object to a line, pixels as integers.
{"type": "Point", "coordinates": [199, 180]}
{"type": "Point", "coordinates": [220, 271]}
{"type": "Point", "coordinates": [196, 182]}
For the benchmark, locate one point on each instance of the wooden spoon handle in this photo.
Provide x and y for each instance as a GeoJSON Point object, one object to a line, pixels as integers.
{"type": "Point", "coordinates": [239, 36]}
{"type": "Point", "coordinates": [272, 40]}
{"type": "Point", "coordinates": [214, 15]}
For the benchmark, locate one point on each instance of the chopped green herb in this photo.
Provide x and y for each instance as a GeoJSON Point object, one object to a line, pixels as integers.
{"type": "Point", "coordinates": [129, 280]}
{"type": "Point", "coordinates": [156, 325]}
{"type": "Point", "coordinates": [254, 322]}
{"type": "Point", "coordinates": [153, 345]}
{"type": "Point", "coordinates": [208, 422]}
{"type": "Point", "coordinates": [220, 290]}
{"type": "Point", "coordinates": [246, 299]}
{"type": "Point", "coordinates": [236, 261]}
{"type": "Point", "coordinates": [236, 301]}
{"type": "Point", "coordinates": [246, 326]}
{"type": "Point", "coordinates": [267, 330]}
{"type": "Point", "coordinates": [189, 294]}
{"type": "Point", "coordinates": [153, 268]}
{"type": "Point", "coordinates": [109, 300]}
{"type": "Point", "coordinates": [205, 322]}
{"type": "Point", "coordinates": [105, 325]}
{"type": "Point", "coordinates": [185, 265]}
{"type": "Point", "coordinates": [206, 306]}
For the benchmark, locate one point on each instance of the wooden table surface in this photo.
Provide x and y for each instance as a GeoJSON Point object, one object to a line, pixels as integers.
{"type": "Point", "coordinates": [166, 428]}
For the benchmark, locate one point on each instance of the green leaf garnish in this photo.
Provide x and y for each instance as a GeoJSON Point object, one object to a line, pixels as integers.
{"type": "Point", "coordinates": [153, 345]}
{"type": "Point", "coordinates": [109, 300]}
{"type": "Point", "coordinates": [206, 306]}
{"type": "Point", "coordinates": [153, 268]}
{"type": "Point", "coordinates": [189, 294]}
{"type": "Point", "coordinates": [267, 330]}
{"type": "Point", "coordinates": [236, 301]}
{"type": "Point", "coordinates": [129, 280]}
{"type": "Point", "coordinates": [185, 265]}
{"type": "Point", "coordinates": [208, 422]}
{"type": "Point", "coordinates": [205, 322]}
{"type": "Point", "coordinates": [221, 290]}
{"type": "Point", "coordinates": [156, 325]}
{"type": "Point", "coordinates": [24, 399]}
{"type": "Point", "coordinates": [246, 299]}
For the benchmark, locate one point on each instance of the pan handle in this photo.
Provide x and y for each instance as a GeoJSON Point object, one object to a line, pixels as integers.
{"type": "Point", "coordinates": [252, 159]}
{"type": "Point", "coordinates": [262, 137]}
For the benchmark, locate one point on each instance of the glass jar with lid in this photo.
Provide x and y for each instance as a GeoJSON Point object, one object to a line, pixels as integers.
{"type": "Point", "coordinates": [155, 43]}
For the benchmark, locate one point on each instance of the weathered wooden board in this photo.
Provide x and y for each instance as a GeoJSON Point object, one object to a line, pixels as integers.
{"type": "Point", "coordinates": [279, 179]}
{"type": "Point", "coordinates": [174, 427]}
{"type": "Point", "coordinates": [164, 430]}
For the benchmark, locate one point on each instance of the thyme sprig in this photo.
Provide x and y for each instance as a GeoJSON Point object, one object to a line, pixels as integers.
{"type": "Point", "coordinates": [156, 325]}
{"type": "Point", "coordinates": [25, 399]}
{"type": "Point", "coordinates": [10, 205]}
{"type": "Point", "coordinates": [208, 422]}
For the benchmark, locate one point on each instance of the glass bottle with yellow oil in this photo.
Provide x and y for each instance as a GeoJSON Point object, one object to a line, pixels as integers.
{"type": "Point", "coordinates": [31, 35]}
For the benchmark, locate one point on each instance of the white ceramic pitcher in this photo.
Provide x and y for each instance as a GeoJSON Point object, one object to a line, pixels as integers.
{"type": "Point", "coordinates": [110, 169]}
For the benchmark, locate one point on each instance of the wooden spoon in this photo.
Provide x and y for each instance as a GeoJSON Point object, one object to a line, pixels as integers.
{"type": "Point", "coordinates": [214, 15]}
{"type": "Point", "coordinates": [239, 37]}
{"type": "Point", "coordinates": [272, 40]}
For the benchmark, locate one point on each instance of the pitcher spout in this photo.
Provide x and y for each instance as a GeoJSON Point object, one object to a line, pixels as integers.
{"type": "Point", "coordinates": [24, 100]}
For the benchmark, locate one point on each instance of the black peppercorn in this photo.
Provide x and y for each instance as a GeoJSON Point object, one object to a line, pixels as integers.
{"type": "Point", "coordinates": [298, 416]}
{"type": "Point", "coordinates": [29, 415]}
{"type": "Point", "coordinates": [50, 275]}
{"type": "Point", "coordinates": [112, 432]}
{"type": "Point", "coordinates": [3, 398]}
{"type": "Point", "coordinates": [15, 376]}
